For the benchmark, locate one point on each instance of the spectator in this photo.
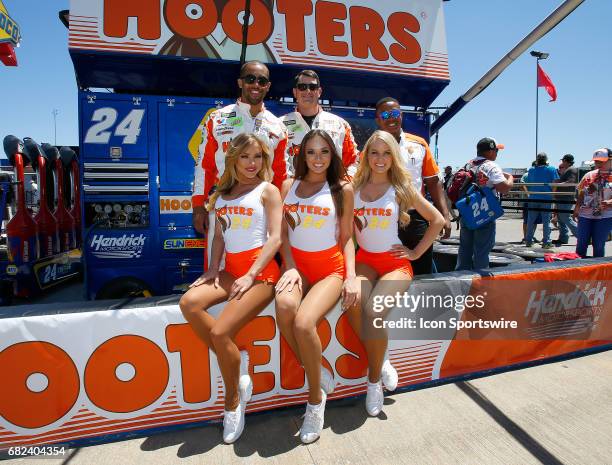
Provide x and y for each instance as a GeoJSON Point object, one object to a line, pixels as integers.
{"type": "Point", "coordinates": [448, 175]}
{"type": "Point", "coordinates": [475, 245]}
{"type": "Point", "coordinates": [34, 196]}
{"type": "Point", "coordinates": [424, 171]}
{"type": "Point", "coordinates": [526, 208]}
{"type": "Point", "coordinates": [594, 205]}
{"type": "Point", "coordinates": [568, 175]}
{"type": "Point", "coordinates": [542, 174]}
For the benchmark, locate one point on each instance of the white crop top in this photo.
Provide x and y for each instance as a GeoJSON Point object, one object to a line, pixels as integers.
{"type": "Point", "coordinates": [376, 223]}
{"type": "Point", "coordinates": [243, 220]}
{"type": "Point", "coordinates": [312, 221]}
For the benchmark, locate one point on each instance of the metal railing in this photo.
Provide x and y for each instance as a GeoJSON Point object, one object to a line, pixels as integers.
{"type": "Point", "coordinates": [518, 198]}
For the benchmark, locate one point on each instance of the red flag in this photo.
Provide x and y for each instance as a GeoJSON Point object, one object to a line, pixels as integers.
{"type": "Point", "coordinates": [7, 54]}
{"type": "Point", "coordinates": [544, 81]}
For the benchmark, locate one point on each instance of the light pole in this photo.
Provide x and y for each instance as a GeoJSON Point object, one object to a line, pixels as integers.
{"type": "Point", "coordinates": [539, 56]}
{"type": "Point", "coordinates": [55, 112]}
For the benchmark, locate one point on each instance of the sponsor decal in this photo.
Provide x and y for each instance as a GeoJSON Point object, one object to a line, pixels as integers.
{"type": "Point", "coordinates": [184, 243]}
{"type": "Point", "coordinates": [125, 246]}
{"type": "Point", "coordinates": [11, 270]}
{"type": "Point", "coordinates": [175, 204]}
{"type": "Point", "coordinates": [544, 306]}
{"type": "Point", "coordinates": [9, 29]}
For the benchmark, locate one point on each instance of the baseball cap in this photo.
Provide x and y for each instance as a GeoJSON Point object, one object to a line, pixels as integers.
{"type": "Point", "coordinates": [602, 154]}
{"type": "Point", "coordinates": [568, 157]}
{"type": "Point", "coordinates": [488, 143]}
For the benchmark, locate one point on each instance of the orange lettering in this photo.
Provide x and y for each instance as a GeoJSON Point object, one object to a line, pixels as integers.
{"type": "Point", "coordinates": [407, 50]}
{"type": "Point", "coordinates": [325, 212]}
{"type": "Point", "coordinates": [33, 409]}
{"type": "Point", "coordinates": [367, 27]}
{"type": "Point", "coordinates": [262, 328]}
{"type": "Point", "coordinates": [146, 12]}
{"type": "Point", "coordinates": [195, 362]}
{"type": "Point", "coordinates": [110, 393]}
{"type": "Point", "coordinates": [295, 12]}
{"type": "Point", "coordinates": [186, 204]}
{"type": "Point", "coordinates": [164, 204]}
{"type": "Point", "coordinates": [327, 14]}
{"type": "Point", "coordinates": [259, 30]}
{"type": "Point", "coordinates": [185, 20]}
{"type": "Point", "coordinates": [175, 204]}
{"type": "Point", "coordinates": [350, 366]}
{"type": "Point", "coordinates": [317, 210]}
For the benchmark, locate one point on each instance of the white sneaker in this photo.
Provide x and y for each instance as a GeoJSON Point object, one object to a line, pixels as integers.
{"type": "Point", "coordinates": [245, 383]}
{"type": "Point", "coordinates": [389, 376]}
{"type": "Point", "coordinates": [328, 383]}
{"type": "Point", "coordinates": [374, 399]}
{"type": "Point", "coordinates": [313, 421]}
{"type": "Point", "coordinates": [233, 423]}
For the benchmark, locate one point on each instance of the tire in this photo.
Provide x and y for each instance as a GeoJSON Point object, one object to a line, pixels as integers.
{"type": "Point", "coordinates": [122, 288]}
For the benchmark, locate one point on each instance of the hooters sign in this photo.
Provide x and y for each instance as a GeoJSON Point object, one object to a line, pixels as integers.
{"type": "Point", "coordinates": [403, 37]}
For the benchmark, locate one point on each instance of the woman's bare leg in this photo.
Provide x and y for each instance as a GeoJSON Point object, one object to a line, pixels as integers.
{"type": "Point", "coordinates": [320, 299]}
{"type": "Point", "coordinates": [376, 340]}
{"type": "Point", "coordinates": [234, 316]}
{"type": "Point", "coordinates": [286, 304]}
{"type": "Point", "coordinates": [196, 301]}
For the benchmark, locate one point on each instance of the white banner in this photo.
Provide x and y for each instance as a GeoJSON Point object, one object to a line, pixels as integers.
{"type": "Point", "coordinates": [82, 375]}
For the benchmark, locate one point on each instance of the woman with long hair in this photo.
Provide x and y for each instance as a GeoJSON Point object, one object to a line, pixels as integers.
{"type": "Point", "coordinates": [248, 226]}
{"type": "Point", "coordinates": [383, 196]}
{"type": "Point", "coordinates": [319, 263]}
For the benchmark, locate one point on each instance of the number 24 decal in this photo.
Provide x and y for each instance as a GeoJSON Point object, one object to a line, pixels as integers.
{"type": "Point", "coordinates": [105, 118]}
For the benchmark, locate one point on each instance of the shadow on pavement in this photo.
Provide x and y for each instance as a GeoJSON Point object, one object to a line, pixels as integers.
{"type": "Point", "coordinates": [529, 443]}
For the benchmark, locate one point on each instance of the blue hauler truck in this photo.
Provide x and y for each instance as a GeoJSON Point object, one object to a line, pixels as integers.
{"type": "Point", "coordinates": [149, 73]}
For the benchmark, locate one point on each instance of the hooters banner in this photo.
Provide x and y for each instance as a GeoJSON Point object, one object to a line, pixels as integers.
{"type": "Point", "coordinates": [403, 37]}
{"type": "Point", "coordinates": [98, 375]}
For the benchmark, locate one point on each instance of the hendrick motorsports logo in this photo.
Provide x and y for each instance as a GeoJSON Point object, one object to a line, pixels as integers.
{"type": "Point", "coordinates": [117, 247]}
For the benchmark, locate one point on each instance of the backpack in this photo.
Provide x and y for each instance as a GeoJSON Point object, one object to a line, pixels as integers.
{"type": "Point", "coordinates": [462, 180]}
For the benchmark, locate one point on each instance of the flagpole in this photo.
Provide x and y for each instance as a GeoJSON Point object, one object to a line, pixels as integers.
{"type": "Point", "coordinates": [537, 107]}
{"type": "Point", "coordinates": [538, 56]}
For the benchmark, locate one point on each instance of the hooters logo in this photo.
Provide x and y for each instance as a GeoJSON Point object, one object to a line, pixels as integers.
{"type": "Point", "coordinates": [336, 29]}
{"type": "Point", "coordinates": [297, 214]}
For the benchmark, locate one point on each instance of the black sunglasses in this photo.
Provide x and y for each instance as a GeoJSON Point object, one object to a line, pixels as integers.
{"type": "Point", "coordinates": [312, 86]}
{"type": "Point", "coordinates": [250, 79]}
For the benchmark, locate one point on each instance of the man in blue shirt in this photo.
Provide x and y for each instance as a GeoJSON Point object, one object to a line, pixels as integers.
{"type": "Point", "coordinates": [540, 173]}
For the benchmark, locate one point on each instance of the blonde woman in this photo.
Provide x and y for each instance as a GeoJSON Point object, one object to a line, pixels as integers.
{"type": "Point", "coordinates": [383, 196]}
{"type": "Point", "coordinates": [248, 226]}
{"type": "Point", "coordinates": [319, 261]}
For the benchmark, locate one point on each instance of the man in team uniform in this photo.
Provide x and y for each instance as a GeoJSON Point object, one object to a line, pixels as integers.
{"type": "Point", "coordinates": [309, 115]}
{"type": "Point", "coordinates": [247, 115]}
{"type": "Point", "coordinates": [420, 163]}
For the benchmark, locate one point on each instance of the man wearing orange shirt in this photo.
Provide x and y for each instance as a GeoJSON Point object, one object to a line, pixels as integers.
{"type": "Point", "coordinates": [420, 163]}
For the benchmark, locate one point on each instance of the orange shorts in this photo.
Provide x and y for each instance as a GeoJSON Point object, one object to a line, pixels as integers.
{"type": "Point", "coordinates": [238, 264]}
{"type": "Point", "coordinates": [383, 262]}
{"type": "Point", "coordinates": [318, 265]}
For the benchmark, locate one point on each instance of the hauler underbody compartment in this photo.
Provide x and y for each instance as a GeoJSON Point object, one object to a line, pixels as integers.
{"type": "Point", "coordinates": [149, 73]}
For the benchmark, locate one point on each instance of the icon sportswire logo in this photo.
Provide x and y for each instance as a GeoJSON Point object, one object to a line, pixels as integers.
{"type": "Point", "coordinates": [117, 247]}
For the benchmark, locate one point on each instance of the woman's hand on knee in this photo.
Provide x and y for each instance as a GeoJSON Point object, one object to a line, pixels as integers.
{"type": "Point", "coordinates": [289, 279]}
{"type": "Point", "coordinates": [240, 286]}
{"type": "Point", "coordinates": [209, 275]}
{"type": "Point", "coordinates": [351, 293]}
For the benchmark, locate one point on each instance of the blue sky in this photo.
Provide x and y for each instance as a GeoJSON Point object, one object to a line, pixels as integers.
{"type": "Point", "coordinates": [479, 33]}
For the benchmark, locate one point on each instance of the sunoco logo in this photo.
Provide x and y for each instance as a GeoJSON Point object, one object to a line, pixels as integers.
{"type": "Point", "coordinates": [543, 304]}
{"type": "Point", "coordinates": [117, 247]}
